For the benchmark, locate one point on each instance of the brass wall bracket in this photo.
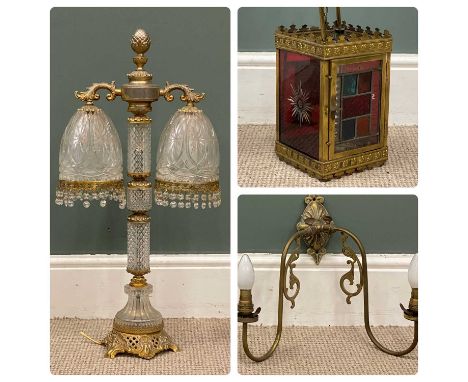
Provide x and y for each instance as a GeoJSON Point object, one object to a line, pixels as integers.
{"type": "Point", "coordinates": [316, 227]}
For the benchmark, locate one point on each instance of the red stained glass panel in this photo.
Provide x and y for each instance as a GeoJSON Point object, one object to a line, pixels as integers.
{"type": "Point", "coordinates": [355, 106]}
{"type": "Point", "coordinates": [299, 102]}
{"type": "Point", "coordinates": [365, 66]}
{"type": "Point", "coordinates": [364, 82]}
{"type": "Point", "coordinates": [362, 126]}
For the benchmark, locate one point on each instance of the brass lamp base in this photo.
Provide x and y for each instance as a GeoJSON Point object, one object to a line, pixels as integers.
{"type": "Point", "coordinates": [143, 345]}
{"type": "Point", "coordinates": [327, 170]}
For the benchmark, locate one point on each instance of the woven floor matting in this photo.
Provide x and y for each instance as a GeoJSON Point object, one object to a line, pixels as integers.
{"type": "Point", "coordinates": [204, 349]}
{"type": "Point", "coordinates": [331, 350]}
{"type": "Point", "coordinates": [258, 165]}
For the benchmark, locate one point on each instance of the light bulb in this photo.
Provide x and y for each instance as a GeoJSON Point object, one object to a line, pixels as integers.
{"type": "Point", "coordinates": [413, 272]}
{"type": "Point", "coordinates": [245, 273]}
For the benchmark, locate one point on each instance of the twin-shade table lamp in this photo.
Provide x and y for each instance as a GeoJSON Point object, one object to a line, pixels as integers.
{"type": "Point", "coordinates": [187, 176]}
{"type": "Point", "coordinates": [315, 228]}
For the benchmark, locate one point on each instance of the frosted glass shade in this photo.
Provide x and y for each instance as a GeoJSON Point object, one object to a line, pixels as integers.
{"type": "Point", "coordinates": [187, 163]}
{"type": "Point", "coordinates": [90, 160]}
{"type": "Point", "coordinates": [413, 272]}
{"type": "Point", "coordinates": [245, 273]}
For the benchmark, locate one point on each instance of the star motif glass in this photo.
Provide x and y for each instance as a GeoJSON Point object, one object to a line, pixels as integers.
{"type": "Point", "coordinates": [299, 102]}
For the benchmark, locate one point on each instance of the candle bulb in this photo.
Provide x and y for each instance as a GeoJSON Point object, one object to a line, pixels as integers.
{"type": "Point", "coordinates": [245, 273]}
{"type": "Point", "coordinates": [413, 272]}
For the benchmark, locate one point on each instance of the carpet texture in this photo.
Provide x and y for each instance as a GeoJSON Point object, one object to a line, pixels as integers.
{"type": "Point", "coordinates": [203, 343]}
{"type": "Point", "coordinates": [331, 350]}
{"type": "Point", "coordinates": [258, 165]}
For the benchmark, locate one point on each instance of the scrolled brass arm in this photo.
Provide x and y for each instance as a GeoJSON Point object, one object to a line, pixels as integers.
{"type": "Point", "coordinates": [365, 287]}
{"type": "Point", "coordinates": [282, 292]}
{"type": "Point", "coordinates": [189, 95]}
{"type": "Point", "coordinates": [90, 94]}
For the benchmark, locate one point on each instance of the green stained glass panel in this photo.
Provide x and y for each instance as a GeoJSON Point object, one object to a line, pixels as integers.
{"type": "Point", "coordinates": [348, 129]}
{"type": "Point", "coordinates": [349, 85]}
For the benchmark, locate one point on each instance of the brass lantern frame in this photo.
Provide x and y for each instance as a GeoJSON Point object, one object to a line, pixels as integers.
{"type": "Point", "coordinates": [315, 228]}
{"type": "Point", "coordinates": [335, 45]}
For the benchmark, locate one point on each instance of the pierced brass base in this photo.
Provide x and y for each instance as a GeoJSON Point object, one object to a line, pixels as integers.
{"type": "Point", "coordinates": [336, 168]}
{"type": "Point", "coordinates": [143, 345]}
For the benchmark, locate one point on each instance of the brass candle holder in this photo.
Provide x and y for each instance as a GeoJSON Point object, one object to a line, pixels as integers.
{"type": "Point", "coordinates": [315, 228]}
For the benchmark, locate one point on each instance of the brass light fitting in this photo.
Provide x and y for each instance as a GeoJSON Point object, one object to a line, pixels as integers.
{"type": "Point", "coordinates": [314, 228]}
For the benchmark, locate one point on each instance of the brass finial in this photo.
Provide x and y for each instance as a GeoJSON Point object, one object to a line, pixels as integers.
{"type": "Point", "coordinates": [140, 44]}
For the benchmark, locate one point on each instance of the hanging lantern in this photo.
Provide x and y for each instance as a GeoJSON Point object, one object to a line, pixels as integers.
{"type": "Point", "coordinates": [332, 97]}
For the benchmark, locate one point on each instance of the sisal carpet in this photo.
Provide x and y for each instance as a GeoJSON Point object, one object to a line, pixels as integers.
{"type": "Point", "coordinates": [258, 165]}
{"type": "Point", "coordinates": [203, 343]}
{"type": "Point", "coordinates": [331, 350]}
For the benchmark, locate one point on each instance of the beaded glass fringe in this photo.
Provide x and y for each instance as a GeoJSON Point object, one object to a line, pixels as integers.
{"type": "Point", "coordinates": [187, 199]}
{"type": "Point", "coordinates": [67, 196]}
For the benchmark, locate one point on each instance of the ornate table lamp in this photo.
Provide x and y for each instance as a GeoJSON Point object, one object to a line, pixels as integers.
{"type": "Point", "coordinates": [187, 176]}
{"type": "Point", "coordinates": [332, 97]}
{"type": "Point", "coordinates": [315, 228]}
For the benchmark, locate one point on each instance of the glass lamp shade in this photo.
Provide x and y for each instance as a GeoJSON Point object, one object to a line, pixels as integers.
{"type": "Point", "coordinates": [245, 273]}
{"type": "Point", "coordinates": [187, 166]}
{"type": "Point", "coordinates": [413, 272]}
{"type": "Point", "coordinates": [90, 160]}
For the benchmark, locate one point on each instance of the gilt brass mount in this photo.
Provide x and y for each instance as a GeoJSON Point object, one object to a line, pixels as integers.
{"type": "Point", "coordinates": [316, 217]}
{"type": "Point", "coordinates": [143, 345]}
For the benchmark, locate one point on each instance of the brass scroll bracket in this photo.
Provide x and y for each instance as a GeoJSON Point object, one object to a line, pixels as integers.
{"type": "Point", "coordinates": [188, 95]}
{"type": "Point", "coordinates": [294, 285]}
{"type": "Point", "coordinates": [90, 94]}
{"type": "Point", "coordinates": [349, 276]}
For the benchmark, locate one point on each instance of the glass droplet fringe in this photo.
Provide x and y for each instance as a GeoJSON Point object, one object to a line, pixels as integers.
{"type": "Point", "coordinates": [187, 199]}
{"type": "Point", "coordinates": [68, 198]}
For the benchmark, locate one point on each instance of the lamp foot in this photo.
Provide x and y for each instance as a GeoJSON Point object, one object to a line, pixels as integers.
{"type": "Point", "coordinates": [143, 345]}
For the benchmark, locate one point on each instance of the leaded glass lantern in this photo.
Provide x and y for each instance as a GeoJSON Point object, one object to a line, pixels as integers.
{"type": "Point", "coordinates": [332, 97]}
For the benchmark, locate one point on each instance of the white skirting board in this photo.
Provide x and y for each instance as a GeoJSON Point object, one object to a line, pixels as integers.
{"type": "Point", "coordinates": [257, 88]}
{"type": "Point", "coordinates": [91, 286]}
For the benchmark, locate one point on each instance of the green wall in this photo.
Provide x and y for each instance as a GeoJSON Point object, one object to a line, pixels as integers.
{"type": "Point", "coordinates": [257, 25]}
{"type": "Point", "coordinates": [189, 45]}
{"type": "Point", "coordinates": [384, 223]}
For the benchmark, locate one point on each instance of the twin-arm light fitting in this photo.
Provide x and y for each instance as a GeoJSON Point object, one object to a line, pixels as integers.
{"type": "Point", "coordinates": [315, 229]}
